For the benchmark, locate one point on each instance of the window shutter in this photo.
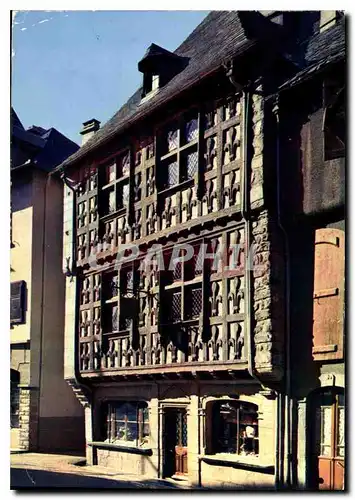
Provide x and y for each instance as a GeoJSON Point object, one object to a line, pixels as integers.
{"type": "Point", "coordinates": [17, 302]}
{"type": "Point", "coordinates": [328, 294]}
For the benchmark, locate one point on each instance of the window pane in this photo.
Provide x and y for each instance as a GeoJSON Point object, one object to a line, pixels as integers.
{"type": "Point", "coordinates": [191, 130]}
{"type": "Point", "coordinates": [341, 431]}
{"type": "Point", "coordinates": [172, 139]}
{"type": "Point", "coordinates": [132, 431]}
{"type": "Point", "coordinates": [115, 326]}
{"type": "Point", "coordinates": [125, 165]}
{"type": "Point", "coordinates": [111, 201]}
{"type": "Point", "coordinates": [173, 174]}
{"type": "Point", "coordinates": [120, 412]}
{"type": "Point", "coordinates": [111, 172]}
{"type": "Point", "coordinates": [125, 195]}
{"type": "Point", "coordinates": [193, 303]}
{"type": "Point", "coordinates": [176, 306]}
{"type": "Point", "coordinates": [131, 411]}
{"type": "Point", "coordinates": [236, 426]}
{"type": "Point", "coordinates": [155, 82]}
{"type": "Point", "coordinates": [192, 165]}
{"type": "Point", "coordinates": [326, 430]}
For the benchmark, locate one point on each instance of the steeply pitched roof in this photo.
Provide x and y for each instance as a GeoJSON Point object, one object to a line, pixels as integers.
{"type": "Point", "coordinates": [219, 37]}
{"type": "Point", "coordinates": [320, 51]}
{"type": "Point", "coordinates": [15, 121]}
{"type": "Point", "coordinates": [45, 148]}
{"type": "Point", "coordinates": [155, 51]}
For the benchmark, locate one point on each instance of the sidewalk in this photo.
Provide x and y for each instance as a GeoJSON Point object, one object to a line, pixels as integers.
{"type": "Point", "coordinates": [70, 464]}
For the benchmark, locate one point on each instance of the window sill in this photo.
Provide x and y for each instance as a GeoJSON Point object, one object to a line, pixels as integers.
{"type": "Point", "coordinates": [119, 447]}
{"type": "Point", "coordinates": [238, 462]}
{"type": "Point", "coordinates": [176, 187]}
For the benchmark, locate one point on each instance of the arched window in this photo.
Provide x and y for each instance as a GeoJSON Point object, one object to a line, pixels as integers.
{"type": "Point", "coordinates": [14, 399]}
{"type": "Point", "coordinates": [233, 427]}
{"type": "Point", "coordinates": [125, 422]}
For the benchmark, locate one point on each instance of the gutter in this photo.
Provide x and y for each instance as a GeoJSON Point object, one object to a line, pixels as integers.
{"type": "Point", "coordinates": [288, 398]}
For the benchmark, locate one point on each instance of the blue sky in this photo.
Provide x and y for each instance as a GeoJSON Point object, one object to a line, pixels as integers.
{"type": "Point", "coordinates": [70, 66]}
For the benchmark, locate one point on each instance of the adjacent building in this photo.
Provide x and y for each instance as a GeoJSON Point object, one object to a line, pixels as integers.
{"type": "Point", "coordinates": [45, 415]}
{"type": "Point", "coordinates": [204, 254]}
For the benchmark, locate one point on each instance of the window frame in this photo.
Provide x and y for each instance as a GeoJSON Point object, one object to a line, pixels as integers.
{"type": "Point", "coordinates": [21, 298]}
{"type": "Point", "coordinates": [180, 153]}
{"type": "Point", "coordinates": [109, 421]}
{"type": "Point", "coordinates": [183, 285]}
{"type": "Point", "coordinates": [215, 447]}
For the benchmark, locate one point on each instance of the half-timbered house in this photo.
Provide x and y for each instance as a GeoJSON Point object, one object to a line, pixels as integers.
{"type": "Point", "coordinates": [180, 313]}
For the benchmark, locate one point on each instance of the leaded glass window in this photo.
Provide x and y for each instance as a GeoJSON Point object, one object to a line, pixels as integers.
{"type": "Point", "coordinates": [126, 423]}
{"type": "Point", "coordinates": [191, 130]}
{"type": "Point", "coordinates": [173, 174]}
{"type": "Point", "coordinates": [111, 172]}
{"type": "Point", "coordinates": [112, 201]}
{"type": "Point", "coordinates": [125, 194]}
{"type": "Point", "coordinates": [193, 304]}
{"type": "Point", "coordinates": [172, 139]}
{"type": "Point", "coordinates": [181, 428]}
{"type": "Point", "coordinates": [192, 165]}
{"type": "Point", "coordinates": [176, 306]}
{"type": "Point", "coordinates": [125, 165]}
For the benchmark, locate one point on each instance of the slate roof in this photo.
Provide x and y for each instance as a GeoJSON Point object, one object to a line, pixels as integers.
{"type": "Point", "coordinates": [320, 51]}
{"type": "Point", "coordinates": [219, 37]}
{"type": "Point", "coordinates": [44, 148]}
{"type": "Point", "coordinates": [155, 51]}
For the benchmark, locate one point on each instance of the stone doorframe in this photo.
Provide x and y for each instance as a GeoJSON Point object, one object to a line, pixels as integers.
{"type": "Point", "coordinates": [162, 406]}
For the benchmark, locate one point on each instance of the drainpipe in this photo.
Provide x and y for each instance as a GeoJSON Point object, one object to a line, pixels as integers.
{"type": "Point", "coordinates": [77, 376]}
{"type": "Point", "coordinates": [288, 398]}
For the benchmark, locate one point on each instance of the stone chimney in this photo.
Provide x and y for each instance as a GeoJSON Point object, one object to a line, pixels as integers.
{"type": "Point", "coordinates": [89, 129]}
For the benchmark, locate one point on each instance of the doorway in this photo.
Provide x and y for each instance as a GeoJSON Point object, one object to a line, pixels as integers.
{"type": "Point", "coordinates": [175, 442]}
{"type": "Point", "coordinates": [328, 439]}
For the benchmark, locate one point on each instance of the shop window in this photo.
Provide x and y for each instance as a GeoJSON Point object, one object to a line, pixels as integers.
{"type": "Point", "coordinates": [15, 400]}
{"type": "Point", "coordinates": [233, 427]}
{"type": "Point", "coordinates": [126, 423]}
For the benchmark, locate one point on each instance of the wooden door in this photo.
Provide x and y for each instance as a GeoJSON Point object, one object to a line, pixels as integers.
{"type": "Point", "coordinates": [175, 437]}
{"type": "Point", "coordinates": [329, 445]}
{"type": "Point", "coordinates": [328, 294]}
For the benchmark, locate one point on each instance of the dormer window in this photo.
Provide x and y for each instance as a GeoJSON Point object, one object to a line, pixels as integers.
{"type": "Point", "coordinates": [150, 83]}
{"type": "Point", "coordinates": [158, 66]}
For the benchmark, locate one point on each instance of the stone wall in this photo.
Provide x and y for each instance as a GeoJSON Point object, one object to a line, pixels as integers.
{"type": "Point", "coordinates": [194, 397]}
{"type": "Point", "coordinates": [268, 297]}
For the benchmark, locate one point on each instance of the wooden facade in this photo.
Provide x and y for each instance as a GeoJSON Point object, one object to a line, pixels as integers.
{"type": "Point", "coordinates": [223, 348]}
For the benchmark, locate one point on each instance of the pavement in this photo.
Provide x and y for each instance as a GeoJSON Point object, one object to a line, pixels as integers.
{"type": "Point", "coordinates": [39, 470]}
